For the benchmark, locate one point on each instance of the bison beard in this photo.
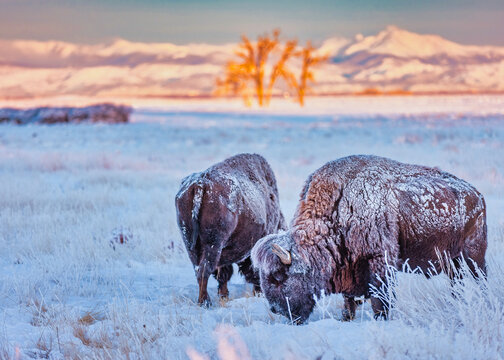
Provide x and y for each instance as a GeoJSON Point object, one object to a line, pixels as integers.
{"type": "Point", "coordinates": [356, 211]}
{"type": "Point", "coordinates": [222, 212]}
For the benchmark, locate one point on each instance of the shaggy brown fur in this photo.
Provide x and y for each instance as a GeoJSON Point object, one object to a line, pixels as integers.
{"type": "Point", "coordinates": [359, 212]}
{"type": "Point", "coordinates": [222, 212]}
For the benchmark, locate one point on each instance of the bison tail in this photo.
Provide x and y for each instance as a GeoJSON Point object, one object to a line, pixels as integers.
{"type": "Point", "coordinates": [197, 199]}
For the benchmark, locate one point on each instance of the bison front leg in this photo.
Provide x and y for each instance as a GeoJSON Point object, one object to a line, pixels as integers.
{"type": "Point", "coordinates": [251, 276]}
{"type": "Point", "coordinates": [378, 271]}
{"type": "Point", "coordinates": [380, 309]}
{"type": "Point", "coordinates": [350, 307]}
{"type": "Point", "coordinates": [223, 274]}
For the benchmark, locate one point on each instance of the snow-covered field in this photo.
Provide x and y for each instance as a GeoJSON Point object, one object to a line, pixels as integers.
{"type": "Point", "coordinates": [69, 193]}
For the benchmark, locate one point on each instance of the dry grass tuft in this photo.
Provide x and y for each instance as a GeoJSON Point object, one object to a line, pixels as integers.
{"type": "Point", "coordinates": [40, 313]}
{"type": "Point", "coordinates": [100, 340]}
{"type": "Point", "coordinates": [81, 334]}
{"type": "Point", "coordinates": [90, 317]}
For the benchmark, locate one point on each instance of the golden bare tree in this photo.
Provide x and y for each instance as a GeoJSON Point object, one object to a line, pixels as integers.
{"type": "Point", "coordinates": [280, 69]}
{"type": "Point", "coordinates": [309, 60]}
{"type": "Point", "coordinates": [236, 82]}
{"type": "Point", "coordinates": [251, 68]}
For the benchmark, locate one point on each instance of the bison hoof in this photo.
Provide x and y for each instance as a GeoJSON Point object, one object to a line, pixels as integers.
{"type": "Point", "coordinates": [347, 315]}
{"type": "Point", "coordinates": [380, 315]}
{"type": "Point", "coordinates": [206, 303]}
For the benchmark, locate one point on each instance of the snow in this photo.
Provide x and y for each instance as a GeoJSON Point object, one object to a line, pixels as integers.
{"type": "Point", "coordinates": [402, 43]}
{"type": "Point", "coordinates": [68, 190]}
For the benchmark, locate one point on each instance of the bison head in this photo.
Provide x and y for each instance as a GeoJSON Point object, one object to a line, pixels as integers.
{"type": "Point", "coordinates": [287, 279]}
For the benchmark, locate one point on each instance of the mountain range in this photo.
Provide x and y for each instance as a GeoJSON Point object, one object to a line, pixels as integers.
{"type": "Point", "coordinates": [394, 60]}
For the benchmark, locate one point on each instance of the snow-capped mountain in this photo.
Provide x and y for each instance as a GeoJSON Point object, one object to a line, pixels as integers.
{"type": "Point", "coordinates": [392, 60]}
{"type": "Point", "coordinates": [404, 44]}
{"type": "Point", "coordinates": [57, 54]}
{"type": "Point", "coordinates": [396, 59]}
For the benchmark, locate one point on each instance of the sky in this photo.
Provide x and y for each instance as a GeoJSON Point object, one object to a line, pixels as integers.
{"type": "Point", "coordinates": [222, 21]}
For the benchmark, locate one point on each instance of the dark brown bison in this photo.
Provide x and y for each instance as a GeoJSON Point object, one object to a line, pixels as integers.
{"type": "Point", "coordinates": [222, 212]}
{"type": "Point", "coordinates": [355, 215]}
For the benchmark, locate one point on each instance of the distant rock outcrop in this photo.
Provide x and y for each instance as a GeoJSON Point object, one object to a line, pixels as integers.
{"type": "Point", "coordinates": [103, 113]}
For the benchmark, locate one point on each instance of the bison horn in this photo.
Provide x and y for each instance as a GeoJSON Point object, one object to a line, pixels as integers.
{"type": "Point", "coordinates": [284, 255]}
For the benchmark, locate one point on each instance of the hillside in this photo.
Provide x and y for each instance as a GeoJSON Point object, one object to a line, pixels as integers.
{"type": "Point", "coordinates": [392, 60]}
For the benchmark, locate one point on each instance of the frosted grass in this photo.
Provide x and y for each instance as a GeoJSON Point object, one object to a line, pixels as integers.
{"type": "Point", "coordinates": [70, 289]}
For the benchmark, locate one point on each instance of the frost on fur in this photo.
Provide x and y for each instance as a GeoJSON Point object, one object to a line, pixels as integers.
{"type": "Point", "coordinates": [222, 212]}
{"type": "Point", "coordinates": [357, 215]}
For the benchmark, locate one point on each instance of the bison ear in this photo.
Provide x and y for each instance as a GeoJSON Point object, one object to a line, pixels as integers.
{"type": "Point", "coordinates": [284, 255]}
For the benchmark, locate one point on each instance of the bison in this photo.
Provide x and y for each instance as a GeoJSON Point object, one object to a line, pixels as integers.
{"type": "Point", "coordinates": [222, 212]}
{"type": "Point", "coordinates": [356, 215]}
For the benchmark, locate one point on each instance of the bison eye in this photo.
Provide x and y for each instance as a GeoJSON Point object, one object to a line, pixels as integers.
{"type": "Point", "coordinates": [277, 278]}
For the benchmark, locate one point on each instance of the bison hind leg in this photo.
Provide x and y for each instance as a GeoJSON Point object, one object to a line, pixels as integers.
{"type": "Point", "coordinates": [223, 274]}
{"type": "Point", "coordinates": [456, 273]}
{"type": "Point", "coordinates": [475, 267]}
{"type": "Point", "coordinates": [476, 261]}
{"type": "Point", "coordinates": [475, 246]}
{"type": "Point", "coordinates": [247, 270]}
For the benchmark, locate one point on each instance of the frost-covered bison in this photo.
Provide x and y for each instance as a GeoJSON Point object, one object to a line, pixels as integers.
{"type": "Point", "coordinates": [222, 212]}
{"type": "Point", "coordinates": [356, 211]}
